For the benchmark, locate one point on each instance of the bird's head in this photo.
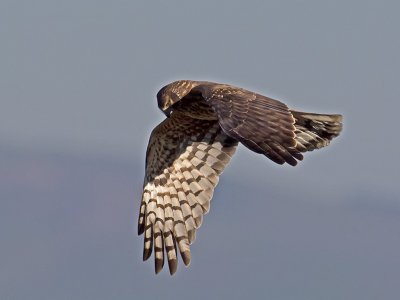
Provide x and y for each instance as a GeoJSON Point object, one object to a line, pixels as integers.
{"type": "Point", "coordinates": [166, 98]}
{"type": "Point", "coordinates": [172, 93]}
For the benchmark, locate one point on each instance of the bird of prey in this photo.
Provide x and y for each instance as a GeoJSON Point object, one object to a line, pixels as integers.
{"type": "Point", "coordinates": [188, 151]}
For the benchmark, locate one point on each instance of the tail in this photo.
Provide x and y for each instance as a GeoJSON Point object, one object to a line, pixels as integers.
{"type": "Point", "coordinates": [314, 131]}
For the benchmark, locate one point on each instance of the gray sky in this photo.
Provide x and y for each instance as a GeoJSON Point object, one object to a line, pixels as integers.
{"type": "Point", "coordinates": [77, 90]}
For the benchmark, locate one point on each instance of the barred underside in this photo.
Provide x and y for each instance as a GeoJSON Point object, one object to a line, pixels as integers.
{"type": "Point", "coordinates": [184, 160]}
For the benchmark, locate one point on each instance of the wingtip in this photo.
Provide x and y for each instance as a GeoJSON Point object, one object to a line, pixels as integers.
{"type": "Point", "coordinates": [159, 264]}
{"type": "Point", "coordinates": [291, 161]}
{"type": "Point", "coordinates": [140, 229]}
{"type": "Point", "coordinates": [186, 257]}
{"type": "Point", "coordinates": [191, 235]}
{"type": "Point", "coordinates": [146, 254]}
{"type": "Point", "coordinates": [173, 265]}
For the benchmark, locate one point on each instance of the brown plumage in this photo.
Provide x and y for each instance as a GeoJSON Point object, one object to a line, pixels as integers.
{"type": "Point", "coordinates": [189, 150]}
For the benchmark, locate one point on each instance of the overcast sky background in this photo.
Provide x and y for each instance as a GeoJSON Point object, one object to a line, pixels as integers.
{"type": "Point", "coordinates": [77, 91]}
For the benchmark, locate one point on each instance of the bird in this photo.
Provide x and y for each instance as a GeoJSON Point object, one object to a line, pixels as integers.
{"type": "Point", "coordinates": [187, 152]}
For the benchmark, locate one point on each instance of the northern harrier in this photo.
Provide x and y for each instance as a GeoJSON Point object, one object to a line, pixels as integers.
{"type": "Point", "coordinates": [189, 150]}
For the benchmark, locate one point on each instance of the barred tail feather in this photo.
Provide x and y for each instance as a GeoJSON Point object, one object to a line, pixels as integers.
{"type": "Point", "coordinates": [314, 131]}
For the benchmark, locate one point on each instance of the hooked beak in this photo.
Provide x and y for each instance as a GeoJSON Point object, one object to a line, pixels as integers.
{"type": "Point", "coordinates": [168, 112]}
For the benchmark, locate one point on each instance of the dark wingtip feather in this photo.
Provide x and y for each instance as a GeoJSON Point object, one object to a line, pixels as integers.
{"type": "Point", "coordinates": [140, 228]}
{"type": "Point", "coordinates": [186, 257]}
{"type": "Point", "coordinates": [146, 253]}
{"type": "Point", "coordinates": [141, 220]}
{"type": "Point", "coordinates": [159, 264]}
{"type": "Point", "coordinates": [173, 265]}
{"type": "Point", "coordinates": [291, 161]}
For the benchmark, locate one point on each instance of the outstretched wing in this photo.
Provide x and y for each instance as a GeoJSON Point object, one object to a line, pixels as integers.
{"type": "Point", "coordinates": [184, 159]}
{"type": "Point", "coordinates": [262, 124]}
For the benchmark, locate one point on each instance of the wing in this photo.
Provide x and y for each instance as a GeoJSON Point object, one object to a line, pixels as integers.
{"type": "Point", "coordinates": [184, 159]}
{"type": "Point", "coordinates": [262, 124]}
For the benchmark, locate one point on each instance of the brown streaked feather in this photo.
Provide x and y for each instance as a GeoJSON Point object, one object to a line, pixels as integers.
{"type": "Point", "coordinates": [170, 249]}
{"type": "Point", "coordinates": [185, 156]}
{"type": "Point", "coordinates": [262, 124]}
